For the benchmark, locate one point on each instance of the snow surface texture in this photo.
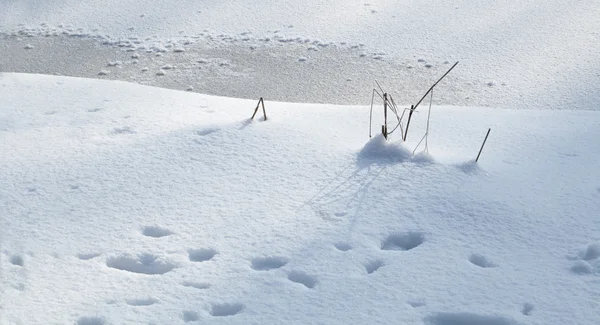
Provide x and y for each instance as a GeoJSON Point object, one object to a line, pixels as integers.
{"type": "Point", "coordinates": [126, 204]}
{"type": "Point", "coordinates": [513, 54]}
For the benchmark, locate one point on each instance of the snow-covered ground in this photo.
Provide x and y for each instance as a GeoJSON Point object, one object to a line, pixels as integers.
{"type": "Point", "coordinates": [126, 204]}
{"type": "Point", "coordinates": [122, 203]}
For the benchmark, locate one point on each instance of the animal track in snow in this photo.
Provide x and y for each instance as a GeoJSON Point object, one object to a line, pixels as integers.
{"type": "Point", "coordinates": [197, 285]}
{"type": "Point", "coordinates": [582, 267]}
{"type": "Point", "coordinates": [201, 255]}
{"type": "Point", "coordinates": [155, 231]}
{"type": "Point", "coordinates": [403, 241]}
{"type": "Point", "coordinates": [141, 302]}
{"type": "Point", "coordinates": [591, 252]}
{"type": "Point", "coordinates": [342, 247]}
{"type": "Point", "coordinates": [467, 319]}
{"type": "Point", "coordinates": [143, 264]}
{"type": "Point", "coordinates": [87, 256]}
{"type": "Point", "coordinates": [189, 316]}
{"type": "Point", "coordinates": [588, 260]}
{"type": "Point", "coordinates": [527, 309]}
{"type": "Point", "coordinates": [123, 130]}
{"type": "Point", "coordinates": [302, 278]}
{"type": "Point", "coordinates": [17, 260]}
{"type": "Point", "coordinates": [268, 263]}
{"type": "Point", "coordinates": [226, 309]}
{"type": "Point", "coordinates": [206, 131]}
{"type": "Point", "coordinates": [91, 321]}
{"type": "Point", "coordinates": [481, 261]}
{"type": "Point", "coordinates": [373, 266]}
{"type": "Point", "coordinates": [416, 303]}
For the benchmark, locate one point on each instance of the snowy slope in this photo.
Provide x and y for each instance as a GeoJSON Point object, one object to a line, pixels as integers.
{"type": "Point", "coordinates": [126, 204]}
{"type": "Point", "coordinates": [514, 54]}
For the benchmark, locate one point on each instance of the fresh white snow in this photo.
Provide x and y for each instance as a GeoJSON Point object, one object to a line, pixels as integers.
{"type": "Point", "coordinates": [122, 203]}
{"type": "Point", "coordinates": [125, 204]}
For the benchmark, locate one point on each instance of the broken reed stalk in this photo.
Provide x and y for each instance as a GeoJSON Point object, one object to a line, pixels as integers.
{"type": "Point", "coordinates": [385, 105]}
{"type": "Point", "coordinates": [260, 102]}
{"type": "Point", "coordinates": [483, 144]}
{"type": "Point", "coordinates": [414, 107]}
{"type": "Point", "coordinates": [371, 112]}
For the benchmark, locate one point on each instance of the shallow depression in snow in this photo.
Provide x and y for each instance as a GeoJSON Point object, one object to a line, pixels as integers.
{"type": "Point", "coordinates": [143, 263]}
{"type": "Point", "coordinates": [403, 241]}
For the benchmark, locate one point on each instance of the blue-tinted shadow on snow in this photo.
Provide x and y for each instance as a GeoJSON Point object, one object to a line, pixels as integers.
{"type": "Point", "coordinates": [382, 152]}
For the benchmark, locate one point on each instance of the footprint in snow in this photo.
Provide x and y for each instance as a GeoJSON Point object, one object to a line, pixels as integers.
{"type": "Point", "coordinates": [268, 263]}
{"type": "Point", "coordinates": [91, 321]}
{"type": "Point", "coordinates": [201, 255]}
{"type": "Point", "coordinates": [403, 241]}
{"type": "Point", "coordinates": [141, 302]}
{"type": "Point", "coordinates": [189, 316]}
{"type": "Point", "coordinates": [156, 231]}
{"type": "Point", "coordinates": [527, 309]}
{"type": "Point", "coordinates": [481, 261]}
{"type": "Point", "coordinates": [207, 131]}
{"type": "Point", "coordinates": [143, 264]}
{"type": "Point", "coordinates": [225, 309]}
{"type": "Point", "coordinates": [464, 318]}
{"type": "Point", "coordinates": [196, 285]}
{"type": "Point", "coordinates": [342, 247]}
{"type": "Point", "coordinates": [416, 303]}
{"type": "Point", "coordinates": [587, 260]}
{"type": "Point", "coordinates": [373, 266]}
{"type": "Point", "coordinates": [123, 130]}
{"type": "Point", "coordinates": [87, 256]}
{"type": "Point", "coordinates": [17, 260]}
{"type": "Point", "coordinates": [302, 278]}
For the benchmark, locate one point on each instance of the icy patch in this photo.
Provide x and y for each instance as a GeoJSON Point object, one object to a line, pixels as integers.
{"type": "Point", "coordinates": [302, 278]}
{"type": "Point", "coordinates": [219, 310]}
{"type": "Point", "coordinates": [268, 263]}
{"type": "Point", "coordinates": [143, 264]}
{"type": "Point", "coordinates": [481, 261]}
{"type": "Point", "coordinates": [201, 255]}
{"type": "Point", "coordinates": [403, 241]}
{"type": "Point", "coordinates": [156, 231]}
{"type": "Point", "coordinates": [379, 150]}
{"type": "Point", "coordinates": [467, 319]}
